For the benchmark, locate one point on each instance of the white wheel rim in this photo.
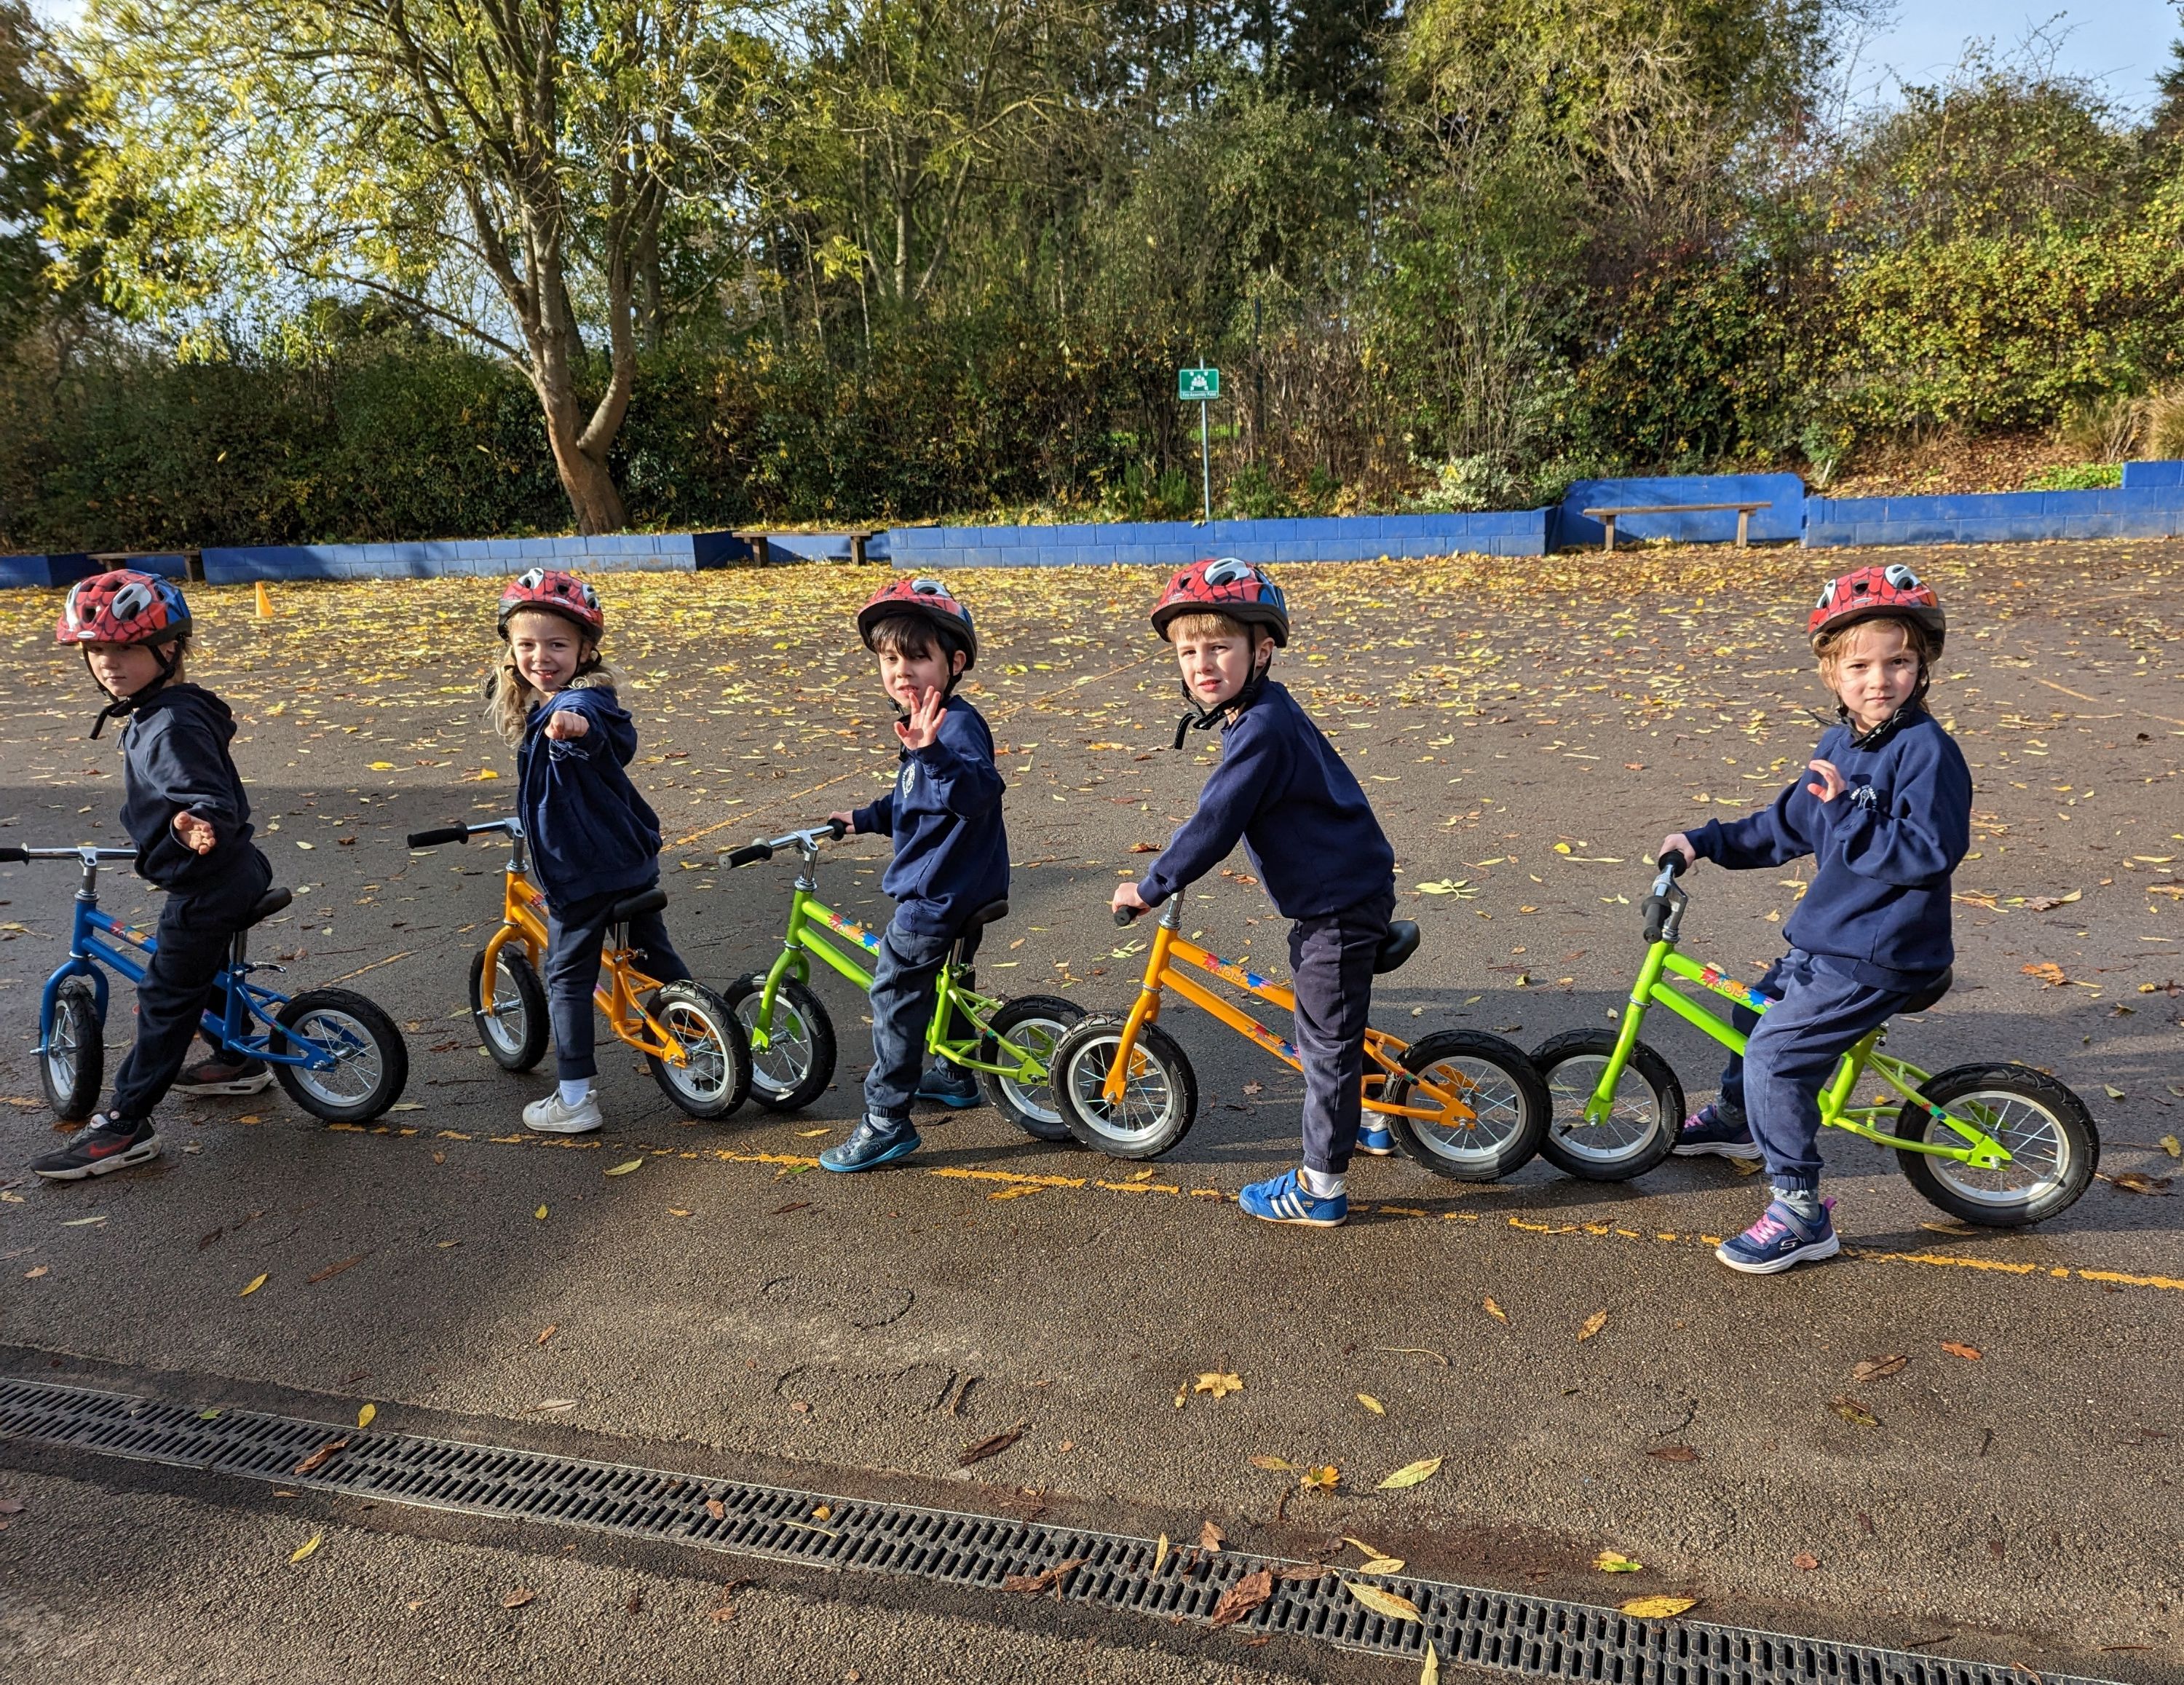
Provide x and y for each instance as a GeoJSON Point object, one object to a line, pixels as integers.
{"type": "Point", "coordinates": [1488, 1090]}
{"type": "Point", "coordinates": [781, 1058]}
{"type": "Point", "coordinates": [706, 1077]}
{"type": "Point", "coordinates": [2038, 1146]}
{"type": "Point", "coordinates": [356, 1071]}
{"type": "Point", "coordinates": [1632, 1120]}
{"type": "Point", "coordinates": [504, 1019]}
{"type": "Point", "coordinates": [1036, 1036]}
{"type": "Point", "coordinates": [1149, 1096]}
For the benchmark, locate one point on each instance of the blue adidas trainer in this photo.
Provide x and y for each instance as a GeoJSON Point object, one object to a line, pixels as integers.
{"type": "Point", "coordinates": [1779, 1239]}
{"type": "Point", "coordinates": [1285, 1199]}
{"type": "Point", "coordinates": [874, 1142]}
{"type": "Point", "coordinates": [1376, 1141]}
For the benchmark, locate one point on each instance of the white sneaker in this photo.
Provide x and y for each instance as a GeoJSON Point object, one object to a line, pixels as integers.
{"type": "Point", "coordinates": [552, 1116]}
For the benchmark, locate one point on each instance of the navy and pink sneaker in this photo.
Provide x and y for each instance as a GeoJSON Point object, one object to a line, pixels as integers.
{"type": "Point", "coordinates": [1779, 1239]}
{"type": "Point", "coordinates": [105, 1144]}
{"type": "Point", "coordinates": [1707, 1130]}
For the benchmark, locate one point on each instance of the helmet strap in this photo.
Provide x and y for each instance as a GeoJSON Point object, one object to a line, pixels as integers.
{"type": "Point", "coordinates": [120, 707]}
{"type": "Point", "coordinates": [1204, 719]}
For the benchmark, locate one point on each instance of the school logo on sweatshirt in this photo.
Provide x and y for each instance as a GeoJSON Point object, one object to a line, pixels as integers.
{"type": "Point", "coordinates": [907, 782]}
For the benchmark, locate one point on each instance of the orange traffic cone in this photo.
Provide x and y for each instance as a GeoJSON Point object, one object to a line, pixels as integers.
{"type": "Point", "coordinates": [264, 602]}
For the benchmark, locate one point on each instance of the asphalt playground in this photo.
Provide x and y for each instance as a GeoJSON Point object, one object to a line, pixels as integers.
{"type": "Point", "coordinates": [1960, 1442]}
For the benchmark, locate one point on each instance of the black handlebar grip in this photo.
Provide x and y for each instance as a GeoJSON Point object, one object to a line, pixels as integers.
{"type": "Point", "coordinates": [1658, 908]}
{"type": "Point", "coordinates": [750, 854]}
{"type": "Point", "coordinates": [445, 834]}
{"type": "Point", "coordinates": [839, 829]}
{"type": "Point", "coordinates": [12, 854]}
{"type": "Point", "coordinates": [1126, 916]}
{"type": "Point", "coordinates": [1674, 863]}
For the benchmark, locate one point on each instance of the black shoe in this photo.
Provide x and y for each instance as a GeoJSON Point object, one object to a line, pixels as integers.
{"type": "Point", "coordinates": [952, 1087]}
{"type": "Point", "coordinates": [102, 1144]}
{"type": "Point", "coordinates": [223, 1074]}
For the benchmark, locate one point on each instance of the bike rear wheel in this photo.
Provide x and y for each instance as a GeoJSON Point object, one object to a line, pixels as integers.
{"type": "Point", "coordinates": [74, 1064]}
{"type": "Point", "coordinates": [793, 1054]}
{"type": "Point", "coordinates": [371, 1061]}
{"type": "Point", "coordinates": [512, 1025]}
{"type": "Point", "coordinates": [718, 1075]}
{"type": "Point", "coordinates": [1640, 1127]}
{"type": "Point", "coordinates": [2053, 1144]}
{"type": "Point", "coordinates": [1160, 1096]}
{"type": "Point", "coordinates": [1036, 1024]}
{"type": "Point", "coordinates": [1485, 1076]}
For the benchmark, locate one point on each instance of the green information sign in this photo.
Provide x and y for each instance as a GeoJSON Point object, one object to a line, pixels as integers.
{"type": "Point", "coordinates": [1202, 385]}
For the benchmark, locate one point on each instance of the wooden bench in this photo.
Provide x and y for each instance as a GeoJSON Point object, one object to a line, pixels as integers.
{"type": "Point", "coordinates": [762, 549]}
{"type": "Point", "coordinates": [1744, 513]}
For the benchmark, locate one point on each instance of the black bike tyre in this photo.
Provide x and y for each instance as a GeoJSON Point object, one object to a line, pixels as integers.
{"type": "Point", "coordinates": [1000, 1094]}
{"type": "Point", "coordinates": [73, 1093]}
{"type": "Point", "coordinates": [677, 1005]}
{"type": "Point", "coordinates": [521, 1051]}
{"type": "Point", "coordinates": [814, 1072]}
{"type": "Point", "coordinates": [1653, 1071]}
{"type": "Point", "coordinates": [1071, 1067]}
{"type": "Point", "coordinates": [1506, 1058]}
{"type": "Point", "coordinates": [2073, 1122]}
{"type": "Point", "coordinates": [376, 1028]}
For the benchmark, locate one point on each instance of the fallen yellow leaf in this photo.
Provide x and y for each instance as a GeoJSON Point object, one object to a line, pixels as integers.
{"type": "Point", "coordinates": [1372, 1403]}
{"type": "Point", "coordinates": [540, 1214]}
{"type": "Point", "coordinates": [625, 1167]}
{"type": "Point", "coordinates": [1324, 1478]}
{"type": "Point", "coordinates": [1411, 1474]}
{"type": "Point", "coordinates": [310, 1545]}
{"type": "Point", "coordinates": [807, 1135]}
{"type": "Point", "coordinates": [1382, 1601]}
{"type": "Point", "coordinates": [1431, 1673]}
{"type": "Point", "coordinates": [2170, 1146]}
{"type": "Point", "coordinates": [1495, 1311]}
{"type": "Point", "coordinates": [364, 1415]}
{"type": "Point", "coordinates": [1593, 1325]}
{"type": "Point", "coordinates": [1657, 1609]}
{"type": "Point", "coordinates": [1382, 1565]}
{"type": "Point", "coordinates": [1217, 1385]}
{"type": "Point", "coordinates": [1615, 1562]}
{"type": "Point", "coordinates": [1280, 1463]}
{"type": "Point", "coordinates": [256, 1282]}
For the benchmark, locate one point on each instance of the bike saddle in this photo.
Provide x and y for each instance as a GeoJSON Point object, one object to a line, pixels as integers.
{"type": "Point", "coordinates": [991, 914]}
{"type": "Point", "coordinates": [1400, 942]}
{"type": "Point", "coordinates": [271, 903]}
{"type": "Point", "coordinates": [630, 907]}
{"type": "Point", "coordinates": [1931, 993]}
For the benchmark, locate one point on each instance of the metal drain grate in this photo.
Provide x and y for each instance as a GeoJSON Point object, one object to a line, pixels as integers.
{"type": "Point", "coordinates": [1486, 1629]}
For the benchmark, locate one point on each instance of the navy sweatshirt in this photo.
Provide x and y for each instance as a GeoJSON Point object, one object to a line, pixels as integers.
{"type": "Point", "coordinates": [1301, 813]}
{"type": "Point", "coordinates": [175, 760]}
{"type": "Point", "coordinates": [952, 852]}
{"type": "Point", "coordinates": [591, 833]}
{"type": "Point", "coordinates": [1883, 851]}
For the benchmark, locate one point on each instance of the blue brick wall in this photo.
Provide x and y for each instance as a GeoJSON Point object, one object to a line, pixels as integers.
{"type": "Point", "coordinates": [1174, 544]}
{"type": "Point", "coordinates": [484, 558]}
{"type": "Point", "coordinates": [1783, 520]}
{"type": "Point", "coordinates": [2141, 476]}
{"type": "Point", "coordinates": [41, 572]}
{"type": "Point", "coordinates": [2138, 511]}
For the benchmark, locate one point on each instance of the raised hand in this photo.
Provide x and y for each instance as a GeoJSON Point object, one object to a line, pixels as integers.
{"type": "Point", "coordinates": [567, 722]}
{"type": "Point", "coordinates": [1832, 783]}
{"type": "Point", "coordinates": [923, 725]}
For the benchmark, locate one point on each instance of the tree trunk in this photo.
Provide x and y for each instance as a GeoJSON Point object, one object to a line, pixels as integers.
{"type": "Point", "coordinates": [593, 497]}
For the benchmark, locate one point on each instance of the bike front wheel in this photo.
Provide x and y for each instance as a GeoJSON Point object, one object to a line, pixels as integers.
{"type": "Point", "coordinates": [1160, 1091]}
{"type": "Point", "coordinates": [371, 1060]}
{"type": "Point", "coordinates": [73, 1063]}
{"type": "Point", "coordinates": [1641, 1123]}
{"type": "Point", "coordinates": [513, 1023]}
{"type": "Point", "coordinates": [1036, 1024]}
{"type": "Point", "coordinates": [2053, 1144]}
{"type": "Point", "coordinates": [1492, 1106]}
{"type": "Point", "coordinates": [717, 1074]}
{"type": "Point", "coordinates": [793, 1053]}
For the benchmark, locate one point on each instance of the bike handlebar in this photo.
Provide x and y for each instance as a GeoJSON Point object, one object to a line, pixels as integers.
{"type": "Point", "coordinates": [1660, 905]}
{"type": "Point", "coordinates": [12, 855]}
{"type": "Point", "coordinates": [1128, 916]}
{"type": "Point", "coordinates": [762, 848]}
{"type": "Point", "coordinates": [456, 834]}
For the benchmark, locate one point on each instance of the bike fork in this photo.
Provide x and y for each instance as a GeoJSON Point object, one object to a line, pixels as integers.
{"type": "Point", "coordinates": [1603, 1103]}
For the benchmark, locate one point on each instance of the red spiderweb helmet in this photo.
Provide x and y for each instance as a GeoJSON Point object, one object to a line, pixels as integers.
{"type": "Point", "coordinates": [552, 591]}
{"type": "Point", "coordinates": [124, 606]}
{"type": "Point", "coordinates": [1229, 585]}
{"type": "Point", "coordinates": [1892, 592]}
{"type": "Point", "coordinates": [929, 600]}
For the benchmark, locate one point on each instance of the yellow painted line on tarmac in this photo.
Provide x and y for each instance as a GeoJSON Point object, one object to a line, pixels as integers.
{"type": "Point", "coordinates": [1015, 1184]}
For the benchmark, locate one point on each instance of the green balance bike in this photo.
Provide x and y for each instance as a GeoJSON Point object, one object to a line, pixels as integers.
{"type": "Point", "coordinates": [1998, 1144]}
{"type": "Point", "coordinates": [792, 1039]}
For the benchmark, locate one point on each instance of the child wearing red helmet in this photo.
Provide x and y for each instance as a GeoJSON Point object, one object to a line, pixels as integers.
{"type": "Point", "coordinates": [1885, 813]}
{"type": "Point", "coordinates": [1310, 833]}
{"type": "Point", "coordinates": [593, 840]}
{"type": "Point", "coordinates": [951, 854]}
{"type": "Point", "coordinates": [184, 807]}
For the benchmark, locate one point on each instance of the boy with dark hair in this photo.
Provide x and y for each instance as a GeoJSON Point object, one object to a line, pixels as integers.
{"type": "Point", "coordinates": [184, 808]}
{"type": "Point", "coordinates": [1311, 835]}
{"type": "Point", "coordinates": [951, 854]}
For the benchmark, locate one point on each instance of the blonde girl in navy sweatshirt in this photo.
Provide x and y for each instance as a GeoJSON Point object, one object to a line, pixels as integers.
{"type": "Point", "coordinates": [1885, 813]}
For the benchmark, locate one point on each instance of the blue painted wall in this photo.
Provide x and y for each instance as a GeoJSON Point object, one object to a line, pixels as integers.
{"type": "Point", "coordinates": [1783, 520]}
{"type": "Point", "coordinates": [2139, 476]}
{"type": "Point", "coordinates": [785, 548]}
{"type": "Point", "coordinates": [486, 558]}
{"type": "Point", "coordinates": [2141, 512]}
{"type": "Point", "coordinates": [1174, 544]}
{"type": "Point", "coordinates": [44, 571]}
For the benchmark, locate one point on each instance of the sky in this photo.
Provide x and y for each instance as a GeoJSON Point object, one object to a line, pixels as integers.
{"type": "Point", "coordinates": [2121, 44]}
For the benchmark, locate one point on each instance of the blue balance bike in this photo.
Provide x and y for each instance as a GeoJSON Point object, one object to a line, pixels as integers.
{"type": "Point", "coordinates": [339, 1056]}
